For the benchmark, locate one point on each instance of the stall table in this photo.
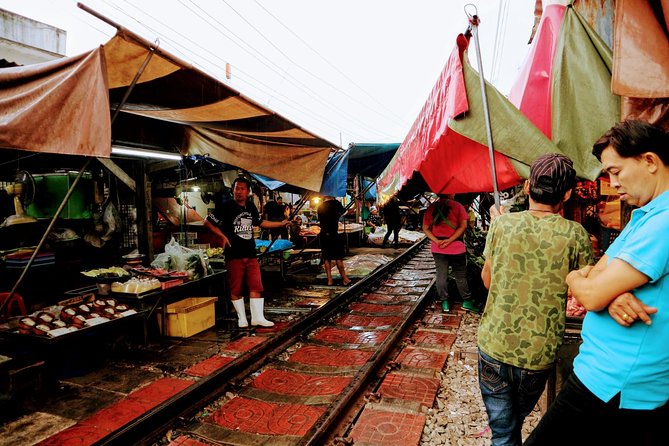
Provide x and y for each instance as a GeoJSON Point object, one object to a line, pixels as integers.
{"type": "Point", "coordinates": [213, 284]}
{"type": "Point", "coordinates": [55, 351]}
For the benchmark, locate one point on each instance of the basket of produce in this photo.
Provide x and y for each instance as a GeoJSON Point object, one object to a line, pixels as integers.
{"type": "Point", "coordinates": [107, 275]}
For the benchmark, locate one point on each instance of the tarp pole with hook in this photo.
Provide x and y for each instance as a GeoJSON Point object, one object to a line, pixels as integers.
{"type": "Point", "coordinates": [473, 26]}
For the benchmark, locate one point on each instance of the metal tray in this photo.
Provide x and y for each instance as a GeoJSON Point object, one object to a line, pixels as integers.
{"type": "Point", "coordinates": [134, 295]}
{"type": "Point", "coordinates": [17, 338]}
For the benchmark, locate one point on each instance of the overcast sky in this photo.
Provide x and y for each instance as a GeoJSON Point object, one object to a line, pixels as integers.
{"type": "Point", "coordinates": [347, 70]}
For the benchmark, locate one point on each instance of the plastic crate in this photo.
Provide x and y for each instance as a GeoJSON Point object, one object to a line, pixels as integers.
{"type": "Point", "coordinates": [189, 316]}
{"type": "Point", "coordinates": [608, 235]}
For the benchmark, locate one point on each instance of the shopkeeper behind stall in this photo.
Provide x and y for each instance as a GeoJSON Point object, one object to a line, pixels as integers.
{"type": "Point", "coordinates": [275, 211]}
{"type": "Point", "coordinates": [233, 223]}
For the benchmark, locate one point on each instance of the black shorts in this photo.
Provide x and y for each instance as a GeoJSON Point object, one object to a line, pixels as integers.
{"type": "Point", "coordinates": [332, 247]}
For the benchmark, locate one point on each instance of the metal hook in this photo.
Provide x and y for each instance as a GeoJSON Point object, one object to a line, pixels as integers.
{"type": "Point", "coordinates": [470, 16]}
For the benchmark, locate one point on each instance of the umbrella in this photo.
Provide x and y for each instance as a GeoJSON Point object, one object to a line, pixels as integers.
{"type": "Point", "coordinates": [447, 144]}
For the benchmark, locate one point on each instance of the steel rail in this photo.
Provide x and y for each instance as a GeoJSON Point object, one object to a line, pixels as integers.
{"type": "Point", "coordinates": [151, 425]}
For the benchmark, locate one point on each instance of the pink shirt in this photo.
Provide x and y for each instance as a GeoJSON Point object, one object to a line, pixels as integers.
{"type": "Point", "coordinates": [456, 214]}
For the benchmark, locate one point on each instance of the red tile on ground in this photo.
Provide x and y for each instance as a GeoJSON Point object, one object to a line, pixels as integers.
{"type": "Point", "coordinates": [377, 308]}
{"type": "Point", "coordinates": [408, 387]}
{"type": "Point", "coordinates": [443, 320]}
{"type": "Point", "coordinates": [380, 428]}
{"type": "Point", "coordinates": [332, 357]}
{"type": "Point", "coordinates": [343, 336]}
{"type": "Point", "coordinates": [208, 366]}
{"type": "Point", "coordinates": [434, 338]}
{"type": "Point", "coordinates": [413, 357]}
{"type": "Point", "coordinates": [391, 299]}
{"type": "Point", "coordinates": [160, 390]}
{"type": "Point", "coordinates": [299, 384]}
{"type": "Point", "coordinates": [185, 441]}
{"type": "Point", "coordinates": [259, 417]}
{"type": "Point", "coordinates": [113, 417]}
{"type": "Point", "coordinates": [354, 320]}
{"type": "Point", "coordinates": [384, 298]}
{"type": "Point", "coordinates": [278, 326]}
{"type": "Point", "coordinates": [81, 434]}
{"type": "Point", "coordinates": [244, 344]}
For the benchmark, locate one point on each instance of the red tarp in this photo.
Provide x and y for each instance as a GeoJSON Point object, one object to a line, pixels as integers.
{"type": "Point", "coordinates": [449, 162]}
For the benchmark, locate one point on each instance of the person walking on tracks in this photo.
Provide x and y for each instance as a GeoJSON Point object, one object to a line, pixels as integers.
{"type": "Point", "coordinates": [444, 223]}
{"type": "Point", "coordinates": [528, 256]}
{"type": "Point", "coordinates": [332, 249]}
{"type": "Point", "coordinates": [393, 219]}
{"type": "Point", "coordinates": [233, 223]}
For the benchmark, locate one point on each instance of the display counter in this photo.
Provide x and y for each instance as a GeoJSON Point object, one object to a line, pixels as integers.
{"type": "Point", "coordinates": [68, 354]}
{"type": "Point", "coordinates": [211, 285]}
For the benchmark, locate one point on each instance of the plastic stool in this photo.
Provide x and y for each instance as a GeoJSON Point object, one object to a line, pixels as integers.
{"type": "Point", "coordinates": [15, 307]}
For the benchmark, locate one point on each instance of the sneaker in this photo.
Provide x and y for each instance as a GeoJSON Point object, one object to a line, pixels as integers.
{"type": "Point", "coordinates": [445, 307]}
{"type": "Point", "coordinates": [469, 305]}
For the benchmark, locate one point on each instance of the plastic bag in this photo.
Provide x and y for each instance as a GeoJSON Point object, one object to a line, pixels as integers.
{"type": "Point", "coordinates": [180, 258]}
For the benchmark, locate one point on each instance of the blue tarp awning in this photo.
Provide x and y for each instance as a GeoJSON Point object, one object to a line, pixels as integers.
{"type": "Point", "coordinates": [369, 160]}
{"type": "Point", "coordinates": [336, 171]}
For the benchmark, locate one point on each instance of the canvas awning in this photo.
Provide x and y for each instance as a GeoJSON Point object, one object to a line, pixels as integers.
{"type": "Point", "coordinates": [369, 159]}
{"type": "Point", "coordinates": [211, 118]}
{"type": "Point", "coordinates": [641, 59]}
{"type": "Point", "coordinates": [562, 93]}
{"type": "Point", "coordinates": [173, 106]}
{"type": "Point", "coordinates": [447, 143]}
{"type": "Point", "coordinates": [564, 86]}
{"type": "Point", "coordinates": [59, 106]}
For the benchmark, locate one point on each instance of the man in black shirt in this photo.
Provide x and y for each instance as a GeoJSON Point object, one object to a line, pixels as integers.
{"type": "Point", "coordinates": [329, 213]}
{"type": "Point", "coordinates": [275, 210]}
{"type": "Point", "coordinates": [393, 218]}
{"type": "Point", "coordinates": [233, 223]}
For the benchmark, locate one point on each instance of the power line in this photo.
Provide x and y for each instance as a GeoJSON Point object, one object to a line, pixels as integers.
{"type": "Point", "coordinates": [500, 36]}
{"type": "Point", "coordinates": [322, 58]}
{"type": "Point", "coordinates": [299, 107]}
{"type": "Point", "coordinates": [290, 79]}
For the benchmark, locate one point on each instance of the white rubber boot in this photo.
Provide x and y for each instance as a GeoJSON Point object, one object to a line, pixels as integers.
{"type": "Point", "coordinates": [241, 313]}
{"type": "Point", "coordinates": [257, 316]}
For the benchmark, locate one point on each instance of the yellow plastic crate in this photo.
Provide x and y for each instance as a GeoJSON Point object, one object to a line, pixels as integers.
{"type": "Point", "coordinates": [189, 316]}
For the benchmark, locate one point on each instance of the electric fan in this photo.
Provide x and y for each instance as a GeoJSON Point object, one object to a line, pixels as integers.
{"type": "Point", "coordinates": [23, 190]}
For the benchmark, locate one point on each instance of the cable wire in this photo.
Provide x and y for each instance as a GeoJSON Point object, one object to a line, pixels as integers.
{"type": "Point", "coordinates": [333, 66]}
{"type": "Point", "coordinates": [253, 84]}
{"type": "Point", "coordinates": [290, 78]}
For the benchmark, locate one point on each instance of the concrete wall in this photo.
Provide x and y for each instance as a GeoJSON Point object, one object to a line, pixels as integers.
{"type": "Point", "coordinates": [25, 41]}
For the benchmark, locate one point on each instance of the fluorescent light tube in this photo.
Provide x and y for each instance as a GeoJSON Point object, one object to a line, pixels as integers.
{"type": "Point", "coordinates": [142, 153]}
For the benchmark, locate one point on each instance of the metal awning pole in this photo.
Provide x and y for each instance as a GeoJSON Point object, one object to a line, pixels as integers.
{"type": "Point", "coordinates": [474, 26]}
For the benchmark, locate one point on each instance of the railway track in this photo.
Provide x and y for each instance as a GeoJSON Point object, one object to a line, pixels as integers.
{"type": "Point", "coordinates": [293, 388]}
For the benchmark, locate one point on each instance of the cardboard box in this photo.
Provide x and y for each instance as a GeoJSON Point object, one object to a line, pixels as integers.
{"type": "Point", "coordinates": [189, 316]}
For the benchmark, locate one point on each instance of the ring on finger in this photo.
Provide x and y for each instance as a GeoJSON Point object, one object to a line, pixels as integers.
{"type": "Point", "coordinates": [626, 317]}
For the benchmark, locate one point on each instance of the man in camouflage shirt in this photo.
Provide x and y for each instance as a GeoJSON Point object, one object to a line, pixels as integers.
{"type": "Point", "coordinates": [528, 256]}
